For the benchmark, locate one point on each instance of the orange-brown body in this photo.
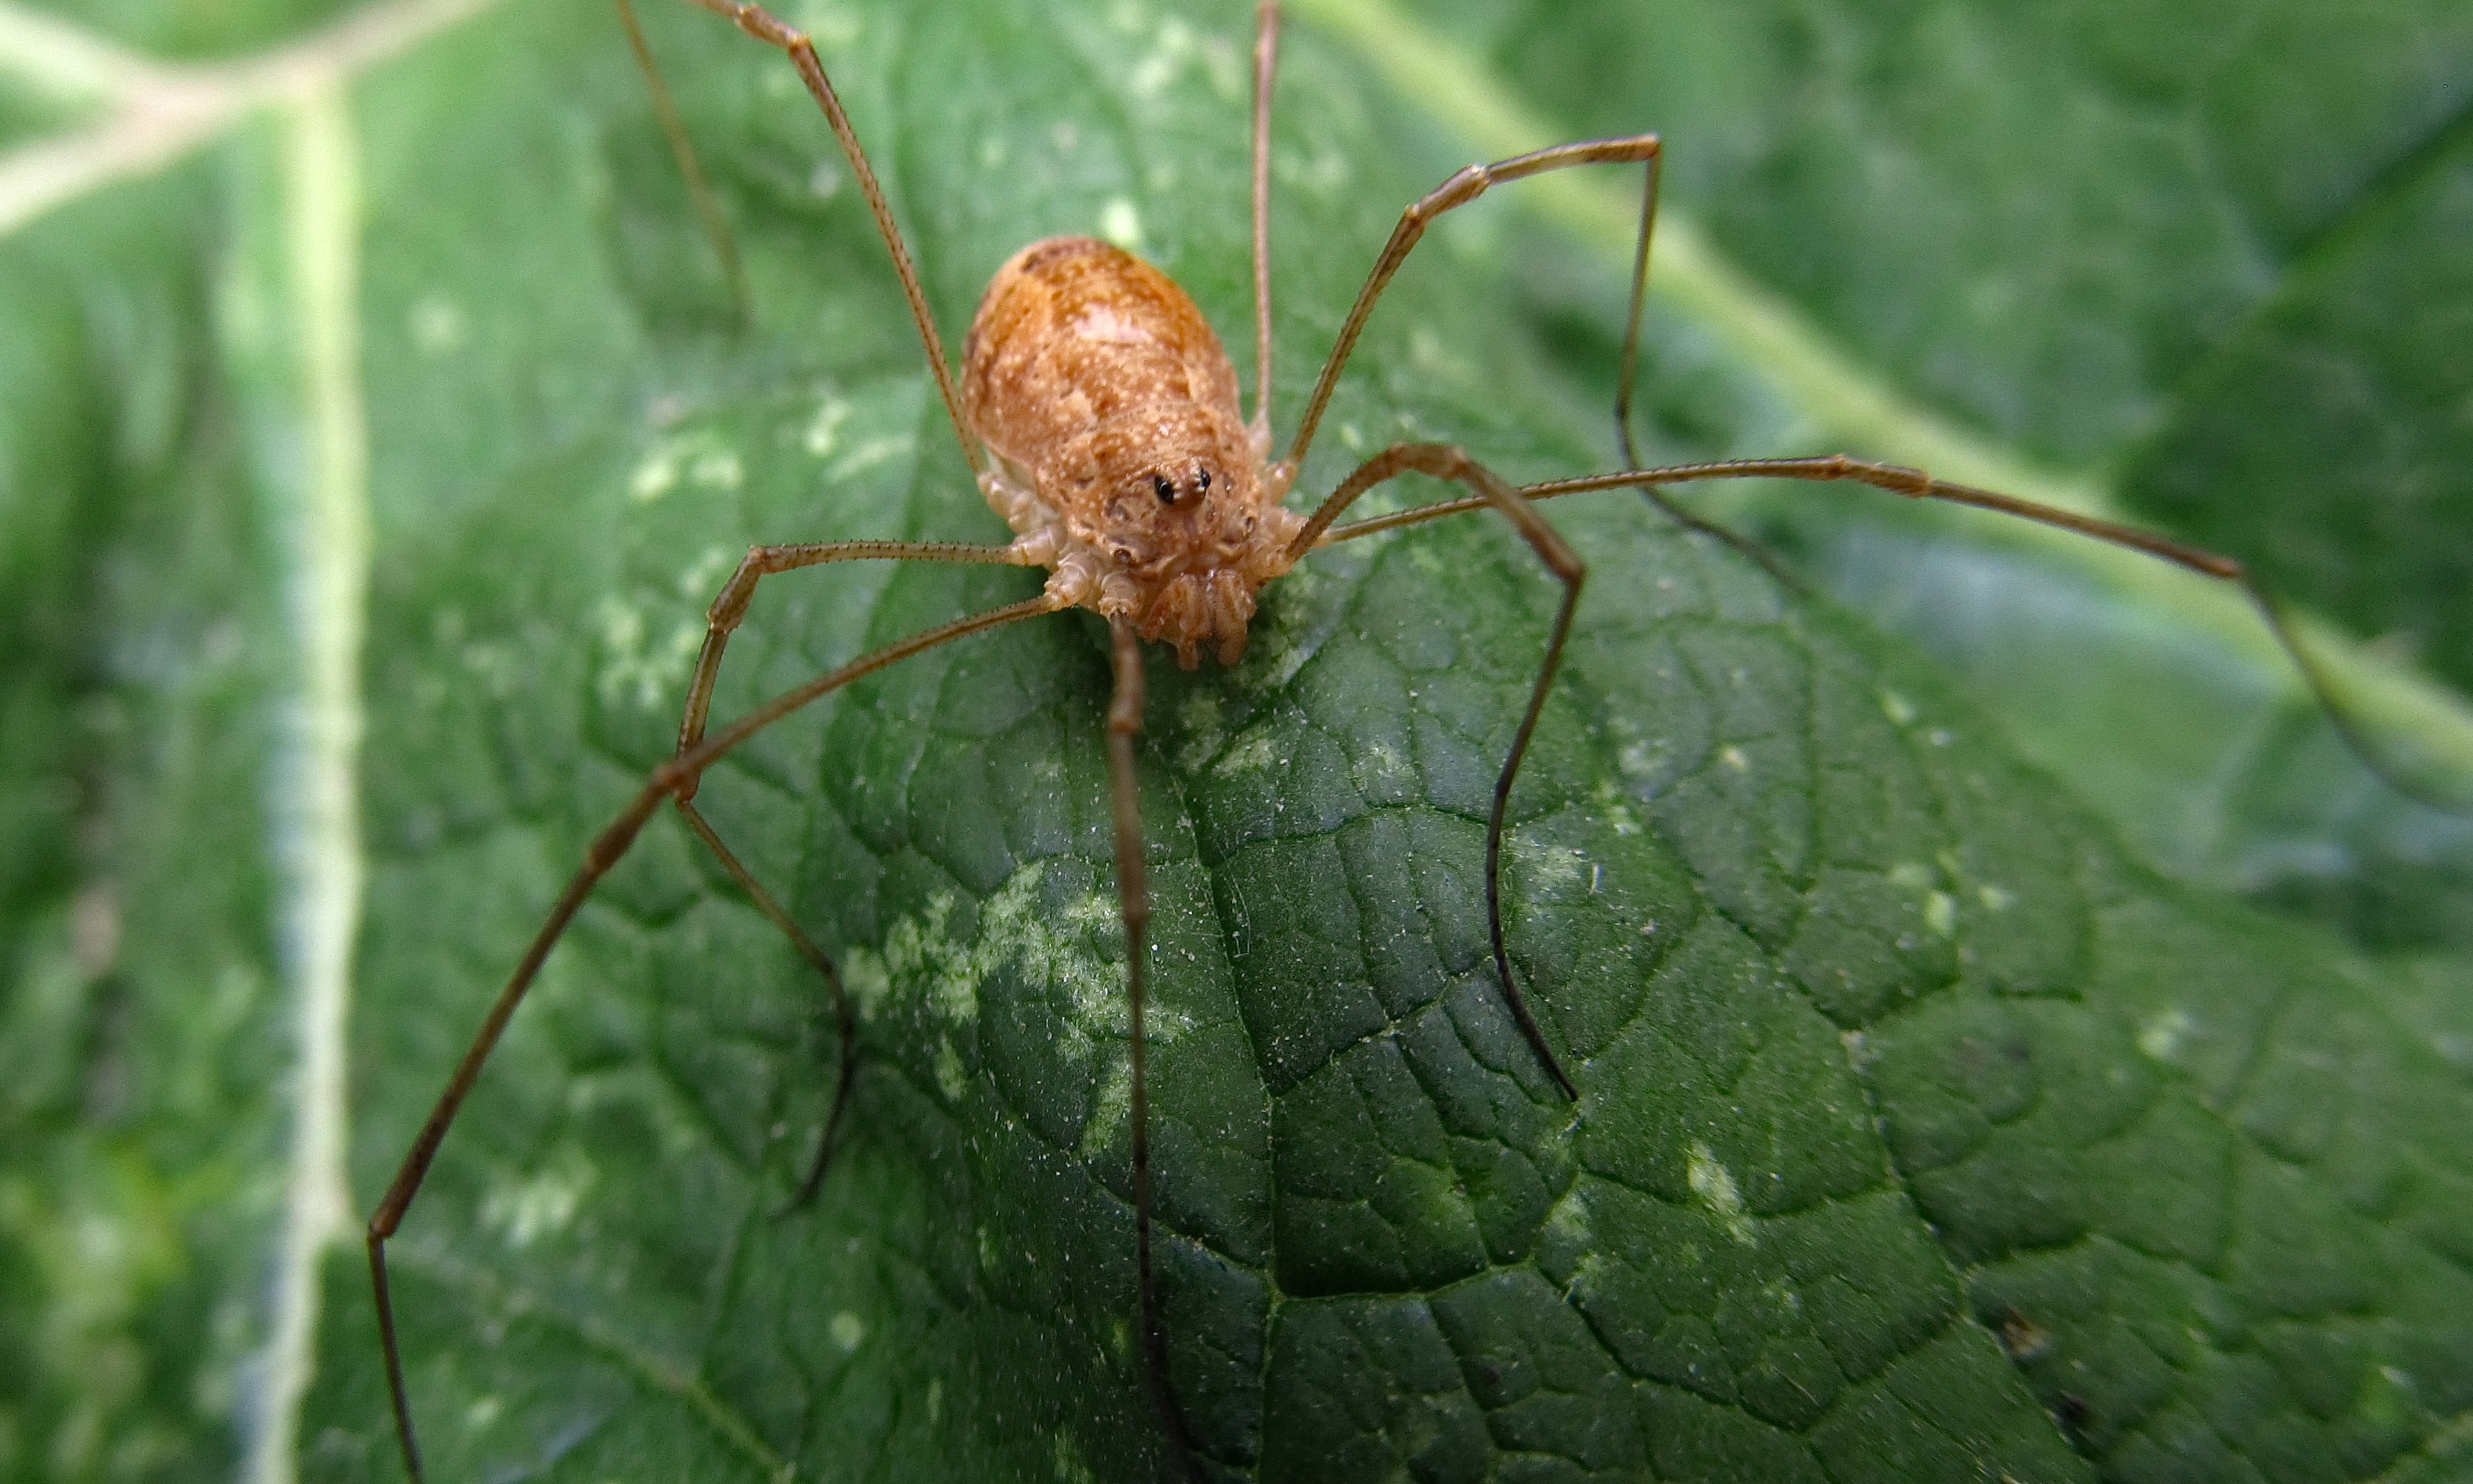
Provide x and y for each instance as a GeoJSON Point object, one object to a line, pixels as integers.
{"type": "Point", "coordinates": [1117, 452]}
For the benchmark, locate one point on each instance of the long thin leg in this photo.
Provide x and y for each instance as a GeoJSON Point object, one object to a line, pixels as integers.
{"type": "Point", "coordinates": [1625, 378]}
{"type": "Point", "coordinates": [759, 23]}
{"type": "Point", "coordinates": [1463, 187]}
{"type": "Point", "coordinates": [721, 620]}
{"type": "Point", "coordinates": [1133, 900]}
{"type": "Point", "coordinates": [1915, 484]}
{"type": "Point", "coordinates": [730, 607]}
{"type": "Point", "coordinates": [1444, 461]}
{"type": "Point", "coordinates": [716, 227]}
{"type": "Point", "coordinates": [604, 852]}
{"type": "Point", "coordinates": [1267, 66]}
{"type": "Point", "coordinates": [845, 1020]}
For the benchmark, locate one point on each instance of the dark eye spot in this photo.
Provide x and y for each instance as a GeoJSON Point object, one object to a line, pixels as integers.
{"type": "Point", "coordinates": [1202, 482]}
{"type": "Point", "coordinates": [1163, 488]}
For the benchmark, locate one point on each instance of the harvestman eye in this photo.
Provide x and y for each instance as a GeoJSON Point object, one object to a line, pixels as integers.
{"type": "Point", "coordinates": [995, 419]}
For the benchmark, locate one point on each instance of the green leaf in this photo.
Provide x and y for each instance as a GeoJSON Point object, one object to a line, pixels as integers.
{"type": "Point", "coordinates": [2253, 374]}
{"type": "Point", "coordinates": [1925, 1132]}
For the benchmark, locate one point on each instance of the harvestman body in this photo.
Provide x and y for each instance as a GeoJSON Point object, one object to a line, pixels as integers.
{"type": "Point", "coordinates": [1102, 417]}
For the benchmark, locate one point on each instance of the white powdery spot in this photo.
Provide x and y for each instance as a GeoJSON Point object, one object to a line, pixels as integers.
{"type": "Point", "coordinates": [437, 324]}
{"type": "Point", "coordinates": [655, 474]}
{"type": "Point", "coordinates": [542, 1204]}
{"type": "Point", "coordinates": [1551, 869]}
{"type": "Point", "coordinates": [1121, 222]}
{"type": "Point", "coordinates": [1198, 718]}
{"type": "Point", "coordinates": [1940, 914]}
{"type": "Point", "coordinates": [832, 24]}
{"type": "Point", "coordinates": [848, 1330]}
{"type": "Point", "coordinates": [1379, 764]}
{"type": "Point", "coordinates": [1070, 1467]}
{"type": "Point", "coordinates": [863, 974]}
{"type": "Point", "coordinates": [823, 429]}
{"type": "Point", "coordinates": [1061, 951]}
{"type": "Point", "coordinates": [1111, 1112]}
{"type": "Point", "coordinates": [718, 469]}
{"type": "Point", "coordinates": [1253, 752]}
{"type": "Point", "coordinates": [631, 668]}
{"type": "Point", "coordinates": [870, 453]}
{"type": "Point", "coordinates": [1616, 810]}
{"type": "Point", "coordinates": [1714, 1185]}
{"type": "Point", "coordinates": [952, 1078]}
{"type": "Point", "coordinates": [703, 578]}
{"type": "Point", "coordinates": [2162, 1035]}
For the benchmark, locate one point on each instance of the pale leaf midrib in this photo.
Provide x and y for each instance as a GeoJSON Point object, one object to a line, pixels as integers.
{"type": "Point", "coordinates": [318, 829]}
{"type": "Point", "coordinates": [156, 113]}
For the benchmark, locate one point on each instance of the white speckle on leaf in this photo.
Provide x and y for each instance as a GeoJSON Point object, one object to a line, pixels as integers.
{"type": "Point", "coordinates": [1940, 914]}
{"type": "Point", "coordinates": [1714, 1185]}
{"type": "Point", "coordinates": [1995, 898]}
{"type": "Point", "coordinates": [1640, 759]}
{"type": "Point", "coordinates": [437, 324]}
{"type": "Point", "coordinates": [1733, 757]}
{"type": "Point", "coordinates": [951, 1079]}
{"type": "Point", "coordinates": [493, 664]}
{"type": "Point", "coordinates": [869, 454]}
{"type": "Point", "coordinates": [825, 181]}
{"type": "Point", "coordinates": [1073, 951]}
{"type": "Point", "coordinates": [1896, 708]}
{"type": "Point", "coordinates": [702, 579]}
{"type": "Point", "coordinates": [1616, 810]}
{"type": "Point", "coordinates": [1323, 175]}
{"type": "Point", "coordinates": [483, 1411]}
{"type": "Point", "coordinates": [540, 1205]}
{"type": "Point", "coordinates": [1382, 763]}
{"type": "Point", "coordinates": [1253, 753]}
{"type": "Point", "coordinates": [848, 1330]}
{"type": "Point", "coordinates": [1070, 1467]}
{"type": "Point", "coordinates": [1197, 716]}
{"type": "Point", "coordinates": [1551, 868]}
{"type": "Point", "coordinates": [823, 429]}
{"type": "Point", "coordinates": [631, 665]}
{"type": "Point", "coordinates": [2160, 1035]}
{"type": "Point", "coordinates": [1111, 1112]}
{"type": "Point", "coordinates": [655, 475]}
{"type": "Point", "coordinates": [863, 975]}
{"type": "Point", "coordinates": [832, 24]}
{"type": "Point", "coordinates": [1121, 222]}
{"type": "Point", "coordinates": [1149, 75]}
{"type": "Point", "coordinates": [718, 469]}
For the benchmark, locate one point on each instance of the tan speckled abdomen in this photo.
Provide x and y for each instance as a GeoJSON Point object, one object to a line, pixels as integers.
{"type": "Point", "coordinates": [1072, 332]}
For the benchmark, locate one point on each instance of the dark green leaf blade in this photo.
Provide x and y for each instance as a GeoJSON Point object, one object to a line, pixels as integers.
{"type": "Point", "coordinates": [2151, 315]}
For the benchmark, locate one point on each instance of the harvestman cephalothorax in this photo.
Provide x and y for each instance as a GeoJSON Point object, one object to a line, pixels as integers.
{"type": "Point", "coordinates": [1104, 423]}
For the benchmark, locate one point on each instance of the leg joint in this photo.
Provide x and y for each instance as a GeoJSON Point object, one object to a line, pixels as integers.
{"type": "Point", "coordinates": [1465, 185]}
{"type": "Point", "coordinates": [1913, 483]}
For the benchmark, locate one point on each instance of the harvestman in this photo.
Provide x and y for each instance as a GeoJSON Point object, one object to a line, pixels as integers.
{"type": "Point", "coordinates": [1101, 417]}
